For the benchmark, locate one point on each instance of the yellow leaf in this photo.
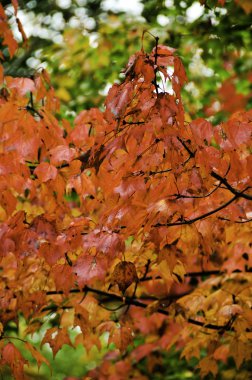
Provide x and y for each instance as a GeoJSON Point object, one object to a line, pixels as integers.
{"type": "Point", "coordinates": [238, 350]}
{"type": "Point", "coordinates": [179, 272]}
{"type": "Point", "coordinates": [208, 365]}
{"type": "Point", "coordinates": [63, 94]}
{"type": "Point", "coordinates": [164, 270]}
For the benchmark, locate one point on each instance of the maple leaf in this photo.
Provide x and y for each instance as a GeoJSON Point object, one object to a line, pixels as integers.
{"type": "Point", "coordinates": [36, 354]}
{"type": "Point", "coordinates": [88, 268]}
{"type": "Point", "coordinates": [118, 99]}
{"type": "Point", "coordinates": [202, 131]}
{"type": "Point", "coordinates": [142, 351]}
{"type": "Point", "coordinates": [63, 277]}
{"type": "Point", "coordinates": [11, 356]}
{"type": "Point", "coordinates": [124, 275]}
{"type": "Point", "coordinates": [61, 154]}
{"type": "Point", "coordinates": [164, 55]}
{"type": "Point", "coordinates": [121, 336]}
{"type": "Point", "coordinates": [81, 319]}
{"type": "Point", "coordinates": [45, 172]}
{"type": "Point", "coordinates": [56, 337]}
{"type": "Point", "coordinates": [6, 33]}
{"type": "Point", "coordinates": [21, 85]}
{"type": "Point", "coordinates": [207, 365]}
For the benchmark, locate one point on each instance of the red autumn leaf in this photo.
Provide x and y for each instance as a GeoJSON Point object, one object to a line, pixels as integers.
{"type": "Point", "coordinates": [142, 351]}
{"type": "Point", "coordinates": [179, 77]}
{"type": "Point", "coordinates": [63, 277]}
{"type": "Point", "coordinates": [118, 99]}
{"type": "Point", "coordinates": [61, 154]}
{"type": "Point", "coordinates": [22, 85]}
{"type": "Point", "coordinates": [104, 241]}
{"type": "Point", "coordinates": [88, 268]}
{"type": "Point", "coordinates": [9, 41]}
{"type": "Point", "coordinates": [208, 365]}
{"type": "Point", "coordinates": [148, 73]}
{"type": "Point", "coordinates": [45, 172]}
{"type": "Point", "coordinates": [12, 357]}
{"type": "Point", "coordinates": [2, 12]}
{"type": "Point", "coordinates": [202, 131]}
{"type": "Point", "coordinates": [238, 130]}
{"type": "Point", "coordinates": [164, 55]}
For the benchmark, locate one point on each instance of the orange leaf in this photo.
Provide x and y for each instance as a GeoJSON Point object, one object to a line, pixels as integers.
{"type": "Point", "coordinates": [121, 337]}
{"type": "Point", "coordinates": [208, 365]}
{"type": "Point", "coordinates": [63, 277]}
{"type": "Point", "coordinates": [81, 319]}
{"type": "Point", "coordinates": [60, 154]}
{"type": "Point", "coordinates": [36, 354]}
{"type": "Point", "coordinates": [56, 337]}
{"type": "Point", "coordinates": [45, 172]}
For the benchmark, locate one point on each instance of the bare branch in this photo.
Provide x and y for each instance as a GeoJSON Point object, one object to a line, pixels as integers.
{"type": "Point", "coordinates": [203, 216]}
{"type": "Point", "coordinates": [230, 188]}
{"type": "Point", "coordinates": [133, 302]}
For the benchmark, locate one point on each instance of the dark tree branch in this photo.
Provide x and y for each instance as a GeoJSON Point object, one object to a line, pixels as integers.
{"type": "Point", "coordinates": [31, 109]}
{"type": "Point", "coordinates": [192, 154]}
{"type": "Point", "coordinates": [203, 216]}
{"type": "Point", "coordinates": [198, 196]}
{"type": "Point", "coordinates": [133, 302]}
{"type": "Point", "coordinates": [226, 327]}
{"type": "Point", "coordinates": [230, 188]}
{"type": "Point", "coordinates": [199, 274]}
{"type": "Point", "coordinates": [236, 221]}
{"type": "Point", "coordinates": [147, 267]}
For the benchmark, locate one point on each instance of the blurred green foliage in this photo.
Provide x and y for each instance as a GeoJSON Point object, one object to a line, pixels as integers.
{"type": "Point", "coordinates": [69, 361]}
{"type": "Point", "coordinates": [86, 49]}
{"type": "Point", "coordinates": [76, 362]}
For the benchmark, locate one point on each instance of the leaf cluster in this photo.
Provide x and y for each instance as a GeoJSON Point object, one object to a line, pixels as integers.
{"type": "Point", "coordinates": [133, 222]}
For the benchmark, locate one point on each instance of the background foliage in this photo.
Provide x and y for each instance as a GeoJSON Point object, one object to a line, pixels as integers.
{"type": "Point", "coordinates": [93, 42]}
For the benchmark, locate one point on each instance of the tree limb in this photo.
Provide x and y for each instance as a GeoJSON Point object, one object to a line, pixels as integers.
{"type": "Point", "coordinates": [203, 216]}
{"type": "Point", "coordinates": [230, 188]}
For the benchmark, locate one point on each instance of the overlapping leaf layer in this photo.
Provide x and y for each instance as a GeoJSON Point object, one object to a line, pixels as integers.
{"type": "Point", "coordinates": [128, 206]}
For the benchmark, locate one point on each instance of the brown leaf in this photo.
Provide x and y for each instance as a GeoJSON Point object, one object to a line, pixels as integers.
{"type": "Point", "coordinates": [124, 275]}
{"type": "Point", "coordinates": [56, 337]}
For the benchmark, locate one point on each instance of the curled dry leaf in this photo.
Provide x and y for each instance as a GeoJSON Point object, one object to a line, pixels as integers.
{"type": "Point", "coordinates": [124, 275]}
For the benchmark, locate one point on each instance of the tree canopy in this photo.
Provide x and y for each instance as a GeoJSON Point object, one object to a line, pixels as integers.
{"type": "Point", "coordinates": [130, 224]}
